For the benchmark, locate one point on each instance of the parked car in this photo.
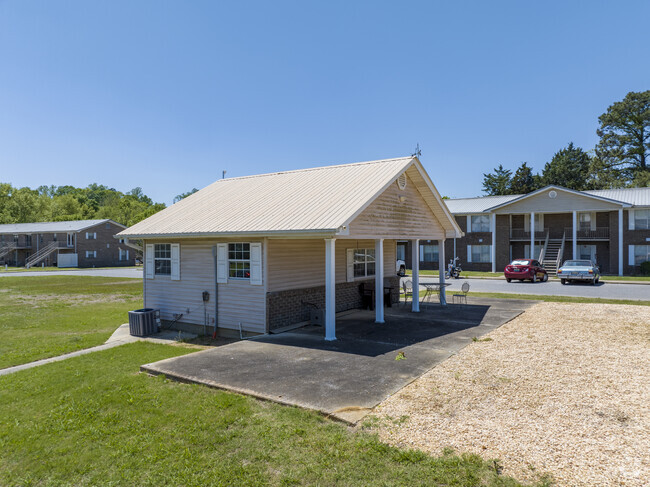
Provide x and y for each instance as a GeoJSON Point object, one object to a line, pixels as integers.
{"type": "Point", "coordinates": [579, 270]}
{"type": "Point", "coordinates": [400, 267]}
{"type": "Point", "coordinates": [525, 269]}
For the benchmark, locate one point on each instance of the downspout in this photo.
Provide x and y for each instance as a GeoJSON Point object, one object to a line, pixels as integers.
{"type": "Point", "coordinates": [216, 293]}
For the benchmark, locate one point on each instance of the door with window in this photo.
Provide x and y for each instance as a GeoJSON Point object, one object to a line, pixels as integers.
{"type": "Point", "coordinates": [70, 239]}
{"type": "Point", "coordinates": [587, 252]}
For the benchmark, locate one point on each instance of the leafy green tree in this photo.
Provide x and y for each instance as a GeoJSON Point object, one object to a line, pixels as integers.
{"type": "Point", "coordinates": [625, 136]}
{"type": "Point", "coordinates": [498, 182]}
{"type": "Point", "coordinates": [570, 168]}
{"type": "Point", "coordinates": [182, 196]}
{"type": "Point", "coordinates": [524, 181]}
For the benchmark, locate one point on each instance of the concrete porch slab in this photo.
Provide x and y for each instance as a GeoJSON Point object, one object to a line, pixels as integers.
{"type": "Point", "coordinates": [346, 378]}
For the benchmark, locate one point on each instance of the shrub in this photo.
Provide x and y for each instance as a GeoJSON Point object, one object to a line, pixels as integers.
{"type": "Point", "coordinates": [645, 268]}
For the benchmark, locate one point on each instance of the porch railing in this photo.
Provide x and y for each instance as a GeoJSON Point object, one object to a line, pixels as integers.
{"type": "Point", "coordinates": [600, 233]}
{"type": "Point", "coordinates": [521, 234]}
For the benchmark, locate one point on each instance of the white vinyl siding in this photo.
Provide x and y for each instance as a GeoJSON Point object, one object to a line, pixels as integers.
{"type": "Point", "coordinates": [479, 253]}
{"type": "Point", "coordinates": [238, 301]}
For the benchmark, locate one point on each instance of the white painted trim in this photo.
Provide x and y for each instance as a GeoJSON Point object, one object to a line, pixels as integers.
{"type": "Point", "coordinates": [415, 279]}
{"type": "Point", "coordinates": [175, 262]}
{"type": "Point", "coordinates": [256, 264]}
{"type": "Point", "coordinates": [631, 221]}
{"type": "Point", "coordinates": [148, 261]}
{"type": "Point", "coordinates": [330, 289]}
{"type": "Point", "coordinates": [469, 254]}
{"type": "Point", "coordinates": [620, 242]}
{"type": "Point", "coordinates": [441, 272]}
{"type": "Point", "coordinates": [222, 263]}
{"type": "Point", "coordinates": [574, 234]}
{"type": "Point", "coordinates": [493, 226]}
{"type": "Point", "coordinates": [379, 280]}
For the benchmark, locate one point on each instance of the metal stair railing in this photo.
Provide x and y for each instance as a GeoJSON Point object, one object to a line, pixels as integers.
{"type": "Point", "coordinates": [6, 248]}
{"type": "Point", "coordinates": [543, 251]}
{"type": "Point", "coordinates": [41, 254]}
{"type": "Point", "coordinates": [560, 253]}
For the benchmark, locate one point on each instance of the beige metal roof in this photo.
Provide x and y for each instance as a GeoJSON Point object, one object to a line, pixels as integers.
{"type": "Point", "coordinates": [309, 201]}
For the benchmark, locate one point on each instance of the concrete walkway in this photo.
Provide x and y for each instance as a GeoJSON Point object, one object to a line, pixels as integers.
{"type": "Point", "coordinates": [119, 337]}
{"type": "Point", "coordinates": [346, 378]}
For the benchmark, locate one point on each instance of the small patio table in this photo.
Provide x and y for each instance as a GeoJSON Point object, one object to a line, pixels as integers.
{"type": "Point", "coordinates": [431, 288]}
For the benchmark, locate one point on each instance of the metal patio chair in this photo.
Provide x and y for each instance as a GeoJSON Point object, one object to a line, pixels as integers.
{"type": "Point", "coordinates": [407, 286]}
{"type": "Point", "coordinates": [464, 289]}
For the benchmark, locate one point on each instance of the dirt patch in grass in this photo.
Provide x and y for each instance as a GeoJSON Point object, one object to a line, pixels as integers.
{"type": "Point", "coordinates": [563, 389]}
{"type": "Point", "coordinates": [36, 300]}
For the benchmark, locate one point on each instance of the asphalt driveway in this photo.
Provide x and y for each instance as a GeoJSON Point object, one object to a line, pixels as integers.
{"type": "Point", "coordinates": [348, 377]}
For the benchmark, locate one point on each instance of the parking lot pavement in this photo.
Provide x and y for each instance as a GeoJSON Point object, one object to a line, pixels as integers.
{"type": "Point", "coordinates": [550, 288]}
{"type": "Point", "coordinates": [116, 272]}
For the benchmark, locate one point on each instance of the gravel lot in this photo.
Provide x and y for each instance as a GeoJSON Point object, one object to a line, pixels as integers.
{"type": "Point", "coordinates": [563, 389]}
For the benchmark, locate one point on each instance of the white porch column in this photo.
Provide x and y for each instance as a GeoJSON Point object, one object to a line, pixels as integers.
{"type": "Point", "coordinates": [330, 290]}
{"type": "Point", "coordinates": [574, 234]}
{"type": "Point", "coordinates": [454, 250]}
{"type": "Point", "coordinates": [493, 227]}
{"type": "Point", "coordinates": [620, 242]}
{"type": "Point", "coordinates": [379, 280]}
{"type": "Point", "coordinates": [415, 264]}
{"type": "Point", "coordinates": [441, 272]}
{"type": "Point", "coordinates": [532, 235]}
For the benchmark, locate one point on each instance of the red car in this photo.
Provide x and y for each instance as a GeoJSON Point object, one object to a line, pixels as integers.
{"type": "Point", "coordinates": [525, 269]}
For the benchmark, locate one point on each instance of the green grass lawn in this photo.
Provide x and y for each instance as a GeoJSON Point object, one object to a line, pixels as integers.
{"type": "Point", "coordinates": [409, 273]}
{"type": "Point", "coordinates": [46, 316]}
{"type": "Point", "coordinates": [94, 420]}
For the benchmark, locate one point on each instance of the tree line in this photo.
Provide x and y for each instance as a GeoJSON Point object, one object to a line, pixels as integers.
{"type": "Point", "coordinates": [62, 203]}
{"type": "Point", "coordinates": [620, 158]}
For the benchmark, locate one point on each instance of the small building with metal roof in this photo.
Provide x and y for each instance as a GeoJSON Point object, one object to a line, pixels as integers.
{"type": "Point", "coordinates": [262, 253]}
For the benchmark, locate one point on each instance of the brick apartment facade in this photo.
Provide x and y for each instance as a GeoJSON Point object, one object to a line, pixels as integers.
{"type": "Point", "coordinates": [561, 217]}
{"type": "Point", "coordinates": [82, 243]}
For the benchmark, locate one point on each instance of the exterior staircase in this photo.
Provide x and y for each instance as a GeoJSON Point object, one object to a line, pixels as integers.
{"type": "Point", "coordinates": [7, 248]}
{"type": "Point", "coordinates": [42, 254]}
{"type": "Point", "coordinates": [551, 256]}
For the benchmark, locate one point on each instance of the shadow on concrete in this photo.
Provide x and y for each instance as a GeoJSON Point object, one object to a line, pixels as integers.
{"type": "Point", "coordinates": [346, 378]}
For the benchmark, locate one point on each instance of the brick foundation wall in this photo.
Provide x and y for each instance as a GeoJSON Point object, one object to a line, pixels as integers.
{"type": "Point", "coordinates": [284, 308]}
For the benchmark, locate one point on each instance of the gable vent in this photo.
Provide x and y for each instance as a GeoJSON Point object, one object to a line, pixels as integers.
{"type": "Point", "coordinates": [401, 181]}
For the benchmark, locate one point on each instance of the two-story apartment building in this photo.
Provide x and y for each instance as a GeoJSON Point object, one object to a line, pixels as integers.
{"type": "Point", "coordinates": [80, 243]}
{"type": "Point", "coordinates": [552, 224]}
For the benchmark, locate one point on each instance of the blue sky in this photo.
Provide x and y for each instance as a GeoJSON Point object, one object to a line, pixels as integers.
{"type": "Point", "coordinates": [165, 95]}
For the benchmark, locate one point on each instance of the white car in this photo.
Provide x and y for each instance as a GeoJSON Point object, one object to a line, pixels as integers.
{"type": "Point", "coordinates": [579, 270]}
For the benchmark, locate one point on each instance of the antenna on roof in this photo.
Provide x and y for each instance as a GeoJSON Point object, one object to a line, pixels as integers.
{"type": "Point", "coordinates": [417, 152]}
{"type": "Point", "coordinates": [223, 174]}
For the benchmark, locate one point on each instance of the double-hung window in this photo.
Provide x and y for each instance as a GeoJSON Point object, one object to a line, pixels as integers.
{"type": "Point", "coordinates": [91, 254]}
{"type": "Point", "coordinates": [239, 260]}
{"type": "Point", "coordinates": [479, 253]}
{"type": "Point", "coordinates": [364, 262]}
{"type": "Point", "coordinates": [480, 223]}
{"type": "Point", "coordinates": [162, 259]}
{"type": "Point", "coordinates": [642, 219]}
{"type": "Point", "coordinates": [428, 253]}
{"type": "Point", "coordinates": [641, 254]}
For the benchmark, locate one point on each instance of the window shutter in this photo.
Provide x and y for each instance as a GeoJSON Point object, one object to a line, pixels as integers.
{"type": "Point", "coordinates": [256, 264]}
{"type": "Point", "coordinates": [631, 255]}
{"type": "Point", "coordinates": [176, 262]}
{"type": "Point", "coordinates": [222, 263]}
{"type": "Point", "coordinates": [630, 214]}
{"type": "Point", "coordinates": [94, 235]}
{"type": "Point", "coordinates": [469, 253]}
{"type": "Point", "coordinates": [469, 223]}
{"type": "Point", "coordinates": [349, 264]}
{"type": "Point", "coordinates": [148, 261]}
{"type": "Point", "coordinates": [86, 235]}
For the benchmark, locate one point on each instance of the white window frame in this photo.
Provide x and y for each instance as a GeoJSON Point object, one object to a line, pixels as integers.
{"type": "Point", "coordinates": [480, 225]}
{"type": "Point", "coordinates": [642, 223]}
{"type": "Point", "coordinates": [91, 254]}
{"type": "Point", "coordinates": [162, 247]}
{"type": "Point", "coordinates": [471, 248]}
{"type": "Point", "coordinates": [123, 254]}
{"type": "Point", "coordinates": [360, 257]}
{"type": "Point", "coordinates": [91, 235]}
{"type": "Point", "coordinates": [239, 260]}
